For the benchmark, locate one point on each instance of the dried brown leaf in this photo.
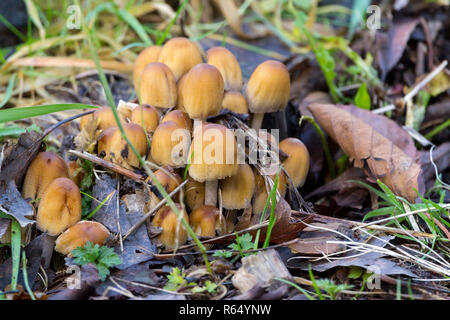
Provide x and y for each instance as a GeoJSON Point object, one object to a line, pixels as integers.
{"type": "Point", "coordinates": [375, 143]}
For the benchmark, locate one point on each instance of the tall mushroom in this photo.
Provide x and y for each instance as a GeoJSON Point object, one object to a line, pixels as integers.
{"type": "Point", "coordinates": [202, 92]}
{"type": "Point", "coordinates": [59, 209]}
{"type": "Point", "coordinates": [157, 86]}
{"type": "Point", "coordinates": [228, 66]}
{"type": "Point", "coordinates": [214, 151]}
{"type": "Point", "coordinates": [45, 167]}
{"type": "Point", "coordinates": [180, 55]}
{"type": "Point", "coordinates": [267, 90]}
{"type": "Point", "coordinates": [148, 55]}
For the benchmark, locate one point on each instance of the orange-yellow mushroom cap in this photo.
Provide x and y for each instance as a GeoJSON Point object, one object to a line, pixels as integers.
{"type": "Point", "coordinates": [173, 233]}
{"type": "Point", "coordinates": [157, 86]}
{"type": "Point", "coordinates": [148, 55]}
{"type": "Point", "coordinates": [228, 66]}
{"type": "Point", "coordinates": [79, 234]}
{"type": "Point", "coordinates": [297, 162]}
{"type": "Point", "coordinates": [60, 207]}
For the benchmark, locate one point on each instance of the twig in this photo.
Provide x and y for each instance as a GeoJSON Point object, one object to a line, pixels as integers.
{"type": "Point", "coordinates": [109, 165]}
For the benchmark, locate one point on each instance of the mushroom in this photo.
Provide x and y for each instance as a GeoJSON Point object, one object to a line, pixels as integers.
{"type": "Point", "coordinates": [228, 66]}
{"type": "Point", "coordinates": [169, 180]}
{"type": "Point", "coordinates": [235, 101]}
{"type": "Point", "coordinates": [146, 116]}
{"type": "Point", "coordinates": [173, 233]}
{"type": "Point", "coordinates": [202, 92]}
{"type": "Point", "coordinates": [114, 148]}
{"type": "Point", "coordinates": [157, 86]}
{"type": "Point", "coordinates": [148, 55]}
{"type": "Point", "coordinates": [59, 209]}
{"type": "Point", "coordinates": [75, 172]}
{"type": "Point", "coordinates": [267, 90]}
{"type": "Point", "coordinates": [79, 234]}
{"type": "Point", "coordinates": [238, 189]}
{"type": "Point", "coordinates": [180, 55]}
{"type": "Point", "coordinates": [180, 118]}
{"type": "Point", "coordinates": [262, 191]}
{"type": "Point", "coordinates": [45, 167]}
{"type": "Point", "coordinates": [170, 144]}
{"type": "Point", "coordinates": [214, 151]}
{"type": "Point", "coordinates": [194, 193]}
{"type": "Point", "coordinates": [206, 220]}
{"type": "Point", "coordinates": [297, 162]}
{"type": "Point", "coordinates": [104, 117]}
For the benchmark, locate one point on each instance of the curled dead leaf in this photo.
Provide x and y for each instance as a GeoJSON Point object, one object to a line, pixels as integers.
{"type": "Point", "coordinates": [376, 144]}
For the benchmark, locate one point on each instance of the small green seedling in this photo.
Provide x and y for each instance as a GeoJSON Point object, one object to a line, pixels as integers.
{"type": "Point", "coordinates": [102, 257]}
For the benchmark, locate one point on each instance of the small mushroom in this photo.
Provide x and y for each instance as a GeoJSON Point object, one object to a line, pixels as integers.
{"type": "Point", "coordinates": [59, 209]}
{"type": "Point", "coordinates": [148, 55]}
{"type": "Point", "coordinates": [45, 167]}
{"type": "Point", "coordinates": [262, 191]}
{"type": "Point", "coordinates": [114, 148]}
{"type": "Point", "coordinates": [194, 193]}
{"type": "Point", "coordinates": [170, 144]}
{"type": "Point", "coordinates": [75, 172]}
{"type": "Point", "coordinates": [228, 66]}
{"type": "Point", "coordinates": [79, 234]}
{"type": "Point", "coordinates": [297, 162]}
{"type": "Point", "coordinates": [238, 189]}
{"type": "Point", "coordinates": [173, 233]}
{"type": "Point", "coordinates": [157, 86]}
{"type": "Point", "coordinates": [235, 101]}
{"type": "Point", "coordinates": [104, 117]}
{"type": "Point", "coordinates": [267, 90]}
{"type": "Point", "coordinates": [180, 118]}
{"type": "Point", "coordinates": [146, 116]}
{"type": "Point", "coordinates": [180, 55]}
{"type": "Point", "coordinates": [202, 92]}
{"type": "Point", "coordinates": [214, 152]}
{"type": "Point", "coordinates": [206, 220]}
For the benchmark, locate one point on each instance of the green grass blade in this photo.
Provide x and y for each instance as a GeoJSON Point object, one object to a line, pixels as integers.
{"type": "Point", "coordinates": [16, 238]}
{"type": "Point", "coordinates": [136, 25]}
{"type": "Point", "coordinates": [171, 23]}
{"type": "Point", "coordinates": [8, 91]}
{"type": "Point", "coordinates": [315, 286]}
{"type": "Point", "coordinates": [307, 295]}
{"type": "Point", "coordinates": [14, 114]}
{"type": "Point", "coordinates": [91, 214]}
{"type": "Point", "coordinates": [272, 217]}
{"type": "Point", "coordinates": [25, 276]}
{"type": "Point", "coordinates": [13, 29]}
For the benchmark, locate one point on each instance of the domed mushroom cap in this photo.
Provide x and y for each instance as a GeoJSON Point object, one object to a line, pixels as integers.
{"type": "Point", "coordinates": [215, 153]}
{"type": "Point", "coordinates": [148, 55]}
{"type": "Point", "coordinates": [170, 145]}
{"type": "Point", "coordinates": [194, 193]}
{"type": "Point", "coordinates": [104, 117]}
{"type": "Point", "coordinates": [235, 101]}
{"type": "Point", "coordinates": [261, 194]}
{"type": "Point", "coordinates": [146, 116]}
{"type": "Point", "coordinates": [180, 55]}
{"type": "Point", "coordinates": [173, 233]}
{"type": "Point", "coordinates": [169, 181]}
{"type": "Point", "coordinates": [180, 118]}
{"type": "Point", "coordinates": [60, 207]}
{"type": "Point", "coordinates": [45, 167]}
{"type": "Point", "coordinates": [79, 234]}
{"type": "Point", "coordinates": [114, 148]}
{"type": "Point", "coordinates": [205, 220]}
{"type": "Point", "coordinates": [158, 86]}
{"type": "Point", "coordinates": [237, 190]}
{"type": "Point", "coordinates": [202, 91]}
{"type": "Point", "coordinates": [297, 162]}
{"type": "Point", "coordinates": [228, 66]}
{"type": "Point", "coordinates": [268, 87]}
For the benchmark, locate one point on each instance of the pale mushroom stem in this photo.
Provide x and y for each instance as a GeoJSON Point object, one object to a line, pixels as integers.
{"type": "Point", "coordinates": [211, 193]}
{"type": "Point", "coordinates": [257, 120]}
{"type": "Point", "coordinates": [47, 250]}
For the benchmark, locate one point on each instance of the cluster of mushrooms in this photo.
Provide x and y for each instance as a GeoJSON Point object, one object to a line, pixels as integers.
{"type": "Point", "coordinates": [177, 92]}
